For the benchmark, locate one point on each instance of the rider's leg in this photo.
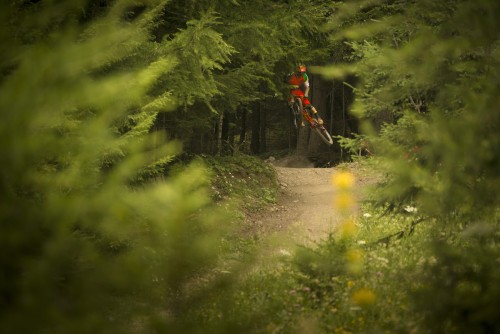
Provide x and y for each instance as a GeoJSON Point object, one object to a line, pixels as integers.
{"type": "Point", "coordinates": [297, 94]}
{"type": "Point", "coordinates": [314, 113]}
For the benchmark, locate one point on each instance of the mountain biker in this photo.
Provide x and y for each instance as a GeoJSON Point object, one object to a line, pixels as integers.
{"type": "Point", "coordinates": [299, 87]}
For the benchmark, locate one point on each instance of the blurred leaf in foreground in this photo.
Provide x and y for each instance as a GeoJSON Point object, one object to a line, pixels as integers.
{"type": "Point", "coordinates": [81, 249]}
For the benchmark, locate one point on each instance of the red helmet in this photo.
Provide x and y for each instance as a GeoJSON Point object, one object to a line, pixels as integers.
{"type": "Point", "coordinates": [301, 68]}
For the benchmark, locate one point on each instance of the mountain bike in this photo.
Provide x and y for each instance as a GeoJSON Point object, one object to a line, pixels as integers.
{"type": "Point", "coordinates": [299, 113]}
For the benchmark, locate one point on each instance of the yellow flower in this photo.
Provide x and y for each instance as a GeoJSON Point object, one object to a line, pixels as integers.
{"type": "Point", "coordinates": [354, 255]}
{"type": "Point", "coordinates": [354, 259]}
{"type": "Point", "coordinates": [350, 284]}
{"type": "Point", "coordinates": [343, 180]}
{"type": "Point", "coordinates": [348, 228]}
{"type": "Point", "coordinates": [364, 297]}
{"type": "Point", "coordinates": [343, 201]}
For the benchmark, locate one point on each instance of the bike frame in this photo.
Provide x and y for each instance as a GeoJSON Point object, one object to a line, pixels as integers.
{"type": "Point", "coordinates": [308, 118]}
{"type": "Point", "coordinates": [320, 129]}
{"type": "Point", "coordinates": [304, 112]}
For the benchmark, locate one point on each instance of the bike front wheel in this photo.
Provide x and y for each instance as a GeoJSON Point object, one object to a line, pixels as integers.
{"type": "Point", "coordinates": [324, 135]}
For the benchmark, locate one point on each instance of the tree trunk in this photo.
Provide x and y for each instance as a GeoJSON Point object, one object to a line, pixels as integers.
{"type": "Point", "coordinates": [243, 126]}
{"type": "Point", "coordinates": [224, 138]}
{"type": "Point", "coordinates": [263, 128]}
{"type": "Point", "coordinates": [218, 134]}
{"type": "Point", "coordinates": [228, 128]}
{"type": "Point", "coordinates": [231, 132]}
{"type": "Point", "coordinates": [303, 141]}
{"type": "Point", "coordinates": [255, 144]}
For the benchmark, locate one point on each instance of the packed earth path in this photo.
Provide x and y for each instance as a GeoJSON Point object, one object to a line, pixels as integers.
{"type": "Point", "coordinates": [304, 214]}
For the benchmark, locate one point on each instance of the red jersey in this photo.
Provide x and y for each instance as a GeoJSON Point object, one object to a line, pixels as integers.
{"type": "Point", "coordinates": [297, 82]}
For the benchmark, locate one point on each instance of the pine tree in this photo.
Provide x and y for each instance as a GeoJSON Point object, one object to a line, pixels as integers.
{"type": "Point", "coordinates": [428, 76]}
{"type": "Point", "coordinates": [253, 45]}
{"type": "Point", "coordinates": [83, 249]}
{"type": "Point", "coordinates": [435, 79]}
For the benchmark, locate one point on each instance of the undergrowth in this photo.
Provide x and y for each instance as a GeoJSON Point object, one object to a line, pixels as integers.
{"type": "Point", "coordinates": [244, 180]}
{"type": "Point", "coordinates": [242, 185]}
{"type": "Point", "coordinates": [345, 285]}
{"type": "Point", "coordinates": [382, 271]}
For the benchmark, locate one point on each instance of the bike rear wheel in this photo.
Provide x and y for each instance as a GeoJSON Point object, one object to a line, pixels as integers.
{"type": "Point", "coordinates": [297, 112]}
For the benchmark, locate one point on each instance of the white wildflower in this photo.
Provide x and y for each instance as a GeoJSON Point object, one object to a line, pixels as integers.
{"type": "Point", "coordinates": [361, 242]}
{"type": "Point", "coordinates": [367, 215]}
{"type": "Point", "coordinates": [382, 259]}
{"type": "Point", "coordinates": [285, 252]}
{"type": "Point", "coordinates": [410, 209]}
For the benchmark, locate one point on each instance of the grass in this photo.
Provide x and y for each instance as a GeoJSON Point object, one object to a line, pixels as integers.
{"type": "Point", "coordinates": [244, 180]}
{"type": "Point", "coordinates": [377, 273]}
{"type": "Point", "coordinates": [373, 275]}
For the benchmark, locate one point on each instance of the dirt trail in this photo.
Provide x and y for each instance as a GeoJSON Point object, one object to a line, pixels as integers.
{"type": "Point", "coordinates": [305, 207]}
{"type": "Point", "coordinates": [304, 214]}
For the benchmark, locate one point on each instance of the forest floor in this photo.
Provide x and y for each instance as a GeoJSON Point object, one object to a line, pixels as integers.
{"type": "Point", "coordinates": [304, 213]}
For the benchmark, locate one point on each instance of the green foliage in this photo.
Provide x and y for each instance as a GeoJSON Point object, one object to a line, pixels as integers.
{"type": "Point", "coordinates": [201, 50]}
{"type": "Point", "coordinates": [260, 303]}
{"type": "Point", "coordinates": [463, 278]}
{"type": "Point", "coordinates": [231, 54]}
{"type": "Point", "coordinates": [431, 84]}
{"type": "Point", "coordinates": [427, 88]}
{"type": "Point", "coordinates": [87, 244]}
{"type": "Point", "coordinates": [81, 250]}
{"type": "Point", "coordinates": [428, 84]}
{"type": "Point", "coordinates": [356, 146]}
{"type": "Point", "coordinates": [357, 284]}
{"type": "Point", "coordinates": [391, 276]}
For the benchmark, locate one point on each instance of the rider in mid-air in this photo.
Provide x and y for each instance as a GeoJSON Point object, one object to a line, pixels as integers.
{"type": "Point", "coordinates": [299, 87]}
